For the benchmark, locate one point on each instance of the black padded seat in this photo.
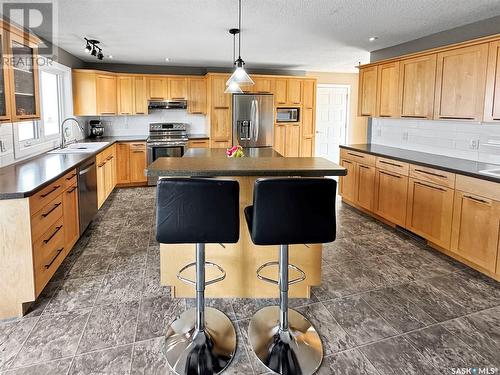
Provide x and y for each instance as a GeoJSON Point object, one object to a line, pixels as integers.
{"type": "Point", "coordinates": [292, 211]}
{"type": "Point", "coordinates": [197, 210]}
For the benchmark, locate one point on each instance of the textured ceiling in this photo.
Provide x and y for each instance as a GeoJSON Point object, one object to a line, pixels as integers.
{"type": "Point", "coordinates": [323, 35]}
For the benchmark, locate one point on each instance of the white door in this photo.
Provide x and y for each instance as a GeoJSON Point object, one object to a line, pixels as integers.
{"type": "Point", "coordinates": [331, 120]}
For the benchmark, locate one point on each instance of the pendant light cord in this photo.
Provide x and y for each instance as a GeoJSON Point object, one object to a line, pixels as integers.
{"type": "Point", "coordinates": [239, 26]}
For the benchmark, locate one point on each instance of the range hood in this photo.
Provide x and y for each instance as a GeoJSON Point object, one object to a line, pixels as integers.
{"type": "Point", "coordinates": [167, 104]}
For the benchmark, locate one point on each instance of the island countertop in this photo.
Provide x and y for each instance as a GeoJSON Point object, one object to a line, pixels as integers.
{"type": "Point", "coordinates": [265, 162]}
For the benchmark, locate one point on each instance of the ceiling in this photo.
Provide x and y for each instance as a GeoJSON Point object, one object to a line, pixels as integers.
{"type": "Point", "coordinates": [322, 35]}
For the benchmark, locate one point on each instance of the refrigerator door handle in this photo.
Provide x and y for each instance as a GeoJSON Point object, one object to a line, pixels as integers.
{"type": "Point", "coordinates": [253, 109]}
{"type": "Point", "coordinates": [257, 120]}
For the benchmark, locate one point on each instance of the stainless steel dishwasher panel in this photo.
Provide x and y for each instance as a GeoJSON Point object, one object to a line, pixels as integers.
{"type": "Point", "coordinates": [87, 193]}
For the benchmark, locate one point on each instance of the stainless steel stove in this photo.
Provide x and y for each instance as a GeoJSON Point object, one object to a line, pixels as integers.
{"type": "Point", "coordinates": [167, 139]}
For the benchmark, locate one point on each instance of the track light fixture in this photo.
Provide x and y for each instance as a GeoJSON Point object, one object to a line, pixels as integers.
{"type": "Point", "coordinates": [93, 48]}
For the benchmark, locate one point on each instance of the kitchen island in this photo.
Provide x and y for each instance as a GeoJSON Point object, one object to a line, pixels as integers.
{"type": "Point", "coordinates": [241, 260]}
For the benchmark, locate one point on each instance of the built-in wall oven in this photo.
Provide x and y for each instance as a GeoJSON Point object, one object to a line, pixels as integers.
{"type": "Point", "coordinates": [165, 140]}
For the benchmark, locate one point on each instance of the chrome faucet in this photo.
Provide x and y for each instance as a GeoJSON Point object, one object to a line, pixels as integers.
{"type": "Point", "coordinates": [65, 128]}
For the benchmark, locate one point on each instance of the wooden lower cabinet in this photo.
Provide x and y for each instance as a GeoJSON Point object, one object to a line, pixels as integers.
{"type": "Point", "coordinates": [131, 161]}
{"type": "Point", "coordinates": [138, 162]}
{"type": "Point", "coordinates": [429, 211]}
{"type": "Point", "coordinates": [122, 163]}
{"type": "Point", "coordinates": [106, 174]}
{"type": "Point", "coordinates": [71, 218]}
{"type": "Point", "coordinates": [198, 143]}
{"type": "Point", "coordinates": [348, 182]}
{"type": "Point", "coordinates": [292, 141]}
{"type": "Point", "coordinates": [365, 184]}
{"type": "Point", "coordinates": [475, 231]}
{"type": "Point", "coordinates": [391, 192]}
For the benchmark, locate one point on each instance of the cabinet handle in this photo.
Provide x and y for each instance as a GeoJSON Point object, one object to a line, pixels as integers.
{"type": "Point", "coordinates": [358, 156]}
{"type": "Point", "coordinates": [390, 174]}
{"type": "Point", "coordinates": [138, 151]}
{"type": "Point", "coordinates": [389, 163]}
{"type": "Point", "coordinates": [72, 190]}
{"type": "Point", "coordinates": [110, 157]}
{"type": "Point", "coordinates": [50, 192]}
{"type": "Point", "coordinates": [476, 199]}
{"type": "Point", "coordinates": [364, 166]}
{"type": "Point", "coordinates": [101, 165]}
{"type": "Point", "coordinates": [430, 186]}
{"type": "Point", "coordinates": [456, 118]}
{"type": "Point", "coordinates": [431, 173]}
{"type": "Point", "coordinates": [180, 97]}
{"type": "Point", "coordinates": [52, 209]}
{"type": "Point", "coordinates": [347, 161]}
{"type": "Point", "coordinates": [139, 113]}
{"type": "Point", "coordinates": [70, 177]}
{"type": "Point", "coordinates": [225, 107]}
{"type": "Point", "coordinates": [47, 266]}
{"type": "Point", "coordinates": [108, 113]}
{"type": "Point", "coordinates": [53, 234]}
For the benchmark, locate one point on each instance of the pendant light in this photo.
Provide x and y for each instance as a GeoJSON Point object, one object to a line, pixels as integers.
{"type": "Point", "coordinates": [233, 87]}
{"type": "Point", "coordinates": [240, 76]}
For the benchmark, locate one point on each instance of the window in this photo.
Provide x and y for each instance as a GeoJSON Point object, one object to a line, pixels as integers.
{"type": "Point", "coordinates": [31, 137]}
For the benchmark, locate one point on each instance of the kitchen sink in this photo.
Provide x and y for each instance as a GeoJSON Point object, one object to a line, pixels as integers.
{"type": "Point", "coordinates": [491, 172]}
{"type": "Point", "coordinates": [80, 147]}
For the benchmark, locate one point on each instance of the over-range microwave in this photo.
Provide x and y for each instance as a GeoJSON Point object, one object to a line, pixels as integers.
{"type": "Point", "coordinates": [291, 114]}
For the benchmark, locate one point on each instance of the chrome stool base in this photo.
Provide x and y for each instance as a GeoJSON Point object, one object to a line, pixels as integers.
{"type": "Point", "coordinates": [200, 352]}
{"type": "Point", "coordinates": [296, 351]}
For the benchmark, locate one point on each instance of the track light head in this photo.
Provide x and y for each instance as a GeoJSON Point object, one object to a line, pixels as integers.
{"type": "Point", "coordinates": [88, 48]}
{"type": "Point", "coordinates": [100, 55]}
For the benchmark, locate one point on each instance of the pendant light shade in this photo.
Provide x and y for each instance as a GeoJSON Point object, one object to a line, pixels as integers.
{"type": "Point", "coordinates": [233, 88]}
{"type": "Point", "coordinates": [240, 76]}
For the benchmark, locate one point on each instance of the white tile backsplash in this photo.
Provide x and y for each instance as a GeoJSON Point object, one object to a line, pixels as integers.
{"type": "Point", "coordinates": [139, 125]}
{"type": "Point", "coordinates": [465, 140]}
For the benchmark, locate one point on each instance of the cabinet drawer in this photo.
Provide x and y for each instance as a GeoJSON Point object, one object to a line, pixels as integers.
{"type": "Point", "coordinates": [477, 186]}
{"type": "Point", "coordinates": [435, 176]}
{"type": "Point", "coordinates": [44, 196]}
{"type": "Point", "coordinates": [48, 253]}
{"type": "Point", "coordinates": [356, 156]}
{"type": "Point", "coordinates": [392, 165]}
{"type": "Point", "coordinates": [46, 217]}
{"type": "Point", "coordinates": [138, 146]}
{"type": "Point", "coordinates": [69, 179]}
{"type": "Point", "coordinates": [199, 143]}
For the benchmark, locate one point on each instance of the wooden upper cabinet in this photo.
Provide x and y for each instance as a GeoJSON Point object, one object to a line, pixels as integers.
{"type": "Point", "coordinates": [197, 100]}
{"type": "Point", "coordinates": [367, 103]}
{"type": "Point", "coordinates": [492, 99]}
{"type": "Point", "coordinates": [177, 88]}
{"type": "Point", "coordinates": [417, 78]}
{"type": "Point", "coordinates": [25, 99]}
{"type": "Point", "coordinates": [308, 93]}
{"type": "Point", "coordinates": [106, 94]}
{"type": "Point", "coordinates": [388, 90]}
{"type": "Point", "coordinates": [220, 124]}
{"type": "Point", "coordinates": [262, 85]}
{"type": "Point", "coordinates": [218, 86]}
{"type": "Point", "coordinates": [280, 91]}
{"type": "Point", "coordinates": [140, 97]}
{"type": "Point", "coordinates": [125, 94]}
{"type": "Point", "coordinates": [5, 109]}
{"type": "Point", "coordinates": [157, 88]}
{"type": "Point", "coordinates": [294, 91]}
{"type": "Point", "coordinates": [461, 82]}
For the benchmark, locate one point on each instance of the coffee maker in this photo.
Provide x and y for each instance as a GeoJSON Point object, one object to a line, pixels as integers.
{"type": "Point", "coordinates": [96, 129]}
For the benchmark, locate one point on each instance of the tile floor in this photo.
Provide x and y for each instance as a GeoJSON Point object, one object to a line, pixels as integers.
{"type": "Point", "coordinates": [387, 305]}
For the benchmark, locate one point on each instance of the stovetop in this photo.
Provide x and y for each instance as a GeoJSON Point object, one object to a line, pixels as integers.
{"type": "Point", "coordinates": [168, 132]}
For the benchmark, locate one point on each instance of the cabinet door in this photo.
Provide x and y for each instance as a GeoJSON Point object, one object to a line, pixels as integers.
{"type": "Point", "coordinates": [24, 79]}
{"type": "Point", "coordinates": [177, 88]}
{"type": "Point", "coordinates": [308, 132]}
{"type": "Point", "coordinates": [125, 95]}
{"type": "Point", "coordinates": [122, 163]}
{"type": "Point", "coordinates": [365, 175]}
{"type": "Point", "coordinates": [70, 217]}
{"type": "Point", "coordinates": [347, 187]}
{"type": "Point", "coordinates": [197, 101]}
{"type": "Point", "coordinates": [137, 162]}
{"type": "Point", "coordinates": [460, 83]}
{"type": "Point", "coordinates": [101, 183]}
{"type": "Point", "coordinates": [140, 97]}
{"type": "Point", "coordinates": [417, 78]}
{"type": "Point", "coordinates": [106, 94]}
{"type": "Point", "coordinates": [294, 91]}
{"type": "Point", "coordinates": [391, 192]}
{"type": "Point", "coordinates": [110, 175]}
{"type": "Point", "coordinates": [280, 91]}
{"type": "Point", "coordinates": [221, 124]}
{"type": "Point", "coordinates": [492, 100]}
{"type": "Point", "coordinates": [157, 88]}
{"type": "Point", "coordinates": [262, 85]}
{"type": "Point", "coordinates": [429, 211]}
{"type": "Point", "coordinates": [219, 99]}
{"type": "Point", "coordinates": [280, 138]}
{"type": "Point", "coordinates": [367, 102]}
{"type": "Point", "coordinates": [388, 90]}
{"type": "Point", "coordinates": [292, 144]}
{"type": "Point", "coordinates": [475, 234]}
{"type": "Point", "coordinates": [308, 93]}
{"type": "Point", "coordinates": [5, 109]}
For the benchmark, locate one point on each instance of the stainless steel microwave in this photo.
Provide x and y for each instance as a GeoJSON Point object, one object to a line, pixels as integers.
{"type": "Point", "coordinates": [287, 114]}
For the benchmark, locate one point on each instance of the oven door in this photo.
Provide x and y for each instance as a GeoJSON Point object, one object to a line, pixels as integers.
{"type": "Point", "coordinates": [156, 151]}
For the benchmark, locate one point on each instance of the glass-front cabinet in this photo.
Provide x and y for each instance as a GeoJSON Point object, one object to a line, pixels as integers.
{"type": "Point", "coordinates": [4, 79]}
{"type": "Point", "coordinates": [23, 78]}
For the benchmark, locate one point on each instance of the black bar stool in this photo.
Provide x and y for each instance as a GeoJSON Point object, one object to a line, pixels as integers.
{"type": "Point", "coordinates": [201, 341]}
{"type": "Point", "coordinates": [289, 211]}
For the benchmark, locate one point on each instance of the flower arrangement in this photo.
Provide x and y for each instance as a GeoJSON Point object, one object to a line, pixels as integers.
{"type": "Point", "coordinates": [235, 152]}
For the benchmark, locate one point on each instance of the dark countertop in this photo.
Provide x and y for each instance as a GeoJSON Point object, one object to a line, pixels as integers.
{"type": "Point", "coordinates": [455, 165]}
{"type": "Point", "coordinates": [259, 162]}
{"type": "Point", "coordinates": [198, 136]}
{"type": "Point", "coordinates": [26, 177]}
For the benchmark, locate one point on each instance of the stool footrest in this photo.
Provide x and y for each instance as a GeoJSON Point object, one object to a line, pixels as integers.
{"type": "Point", "coordinates": [209, 282]}
{"type": "Point", "coordinates": [302, 276]}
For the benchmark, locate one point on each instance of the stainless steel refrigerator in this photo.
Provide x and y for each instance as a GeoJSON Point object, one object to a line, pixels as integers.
{"type": "Point", "coordinates": [253, 120]}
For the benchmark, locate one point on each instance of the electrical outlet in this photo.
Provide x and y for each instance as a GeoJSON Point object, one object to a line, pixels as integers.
{"type": "Point", "coordinates": [474, 144]}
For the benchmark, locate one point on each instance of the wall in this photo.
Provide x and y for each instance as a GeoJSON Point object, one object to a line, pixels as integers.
{"type": "Point", "coordinates": [459, 34]}
{"type": "Point", "coordinates": [465, 140]}
{"type": "Point", "coordinates": [357, 126]}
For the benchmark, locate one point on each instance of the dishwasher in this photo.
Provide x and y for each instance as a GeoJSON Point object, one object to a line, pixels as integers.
{"type": "Point", "coordinates": [87, 193]}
